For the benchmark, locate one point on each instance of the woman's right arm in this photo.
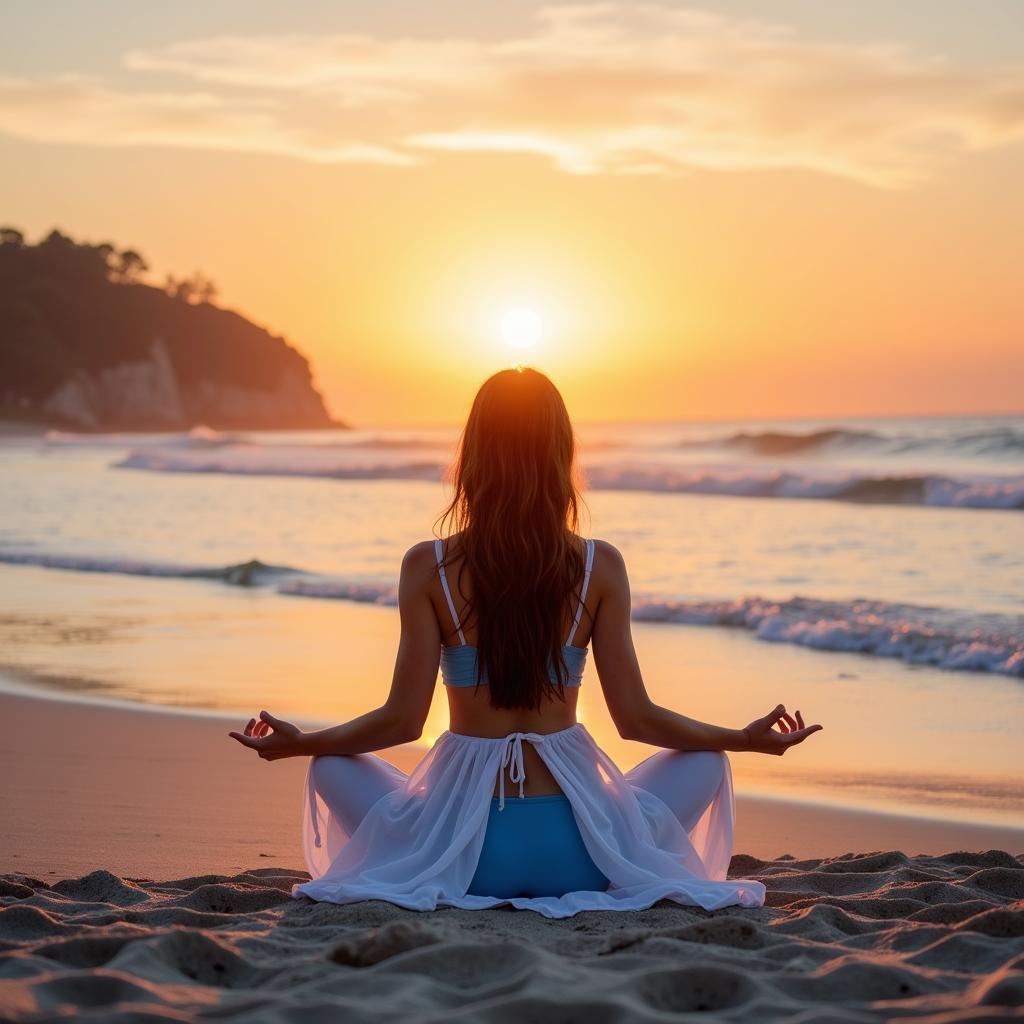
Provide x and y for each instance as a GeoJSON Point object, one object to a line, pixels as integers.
{"type": "Point", "coordinates": [400, 719]}
{"type": "Point", "coordinates": [639, 718]}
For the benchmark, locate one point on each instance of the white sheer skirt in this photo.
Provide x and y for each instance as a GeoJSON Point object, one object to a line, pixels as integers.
{"type": "Point", "coordinates": [664, 830]}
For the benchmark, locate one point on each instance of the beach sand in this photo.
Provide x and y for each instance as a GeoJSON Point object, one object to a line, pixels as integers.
{"type": "Point", "coordinates": [97, 801]}
{"type": "Point", "coordinates": [857, 938]}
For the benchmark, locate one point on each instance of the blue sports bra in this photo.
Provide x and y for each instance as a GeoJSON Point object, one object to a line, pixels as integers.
{"type": "Point", "coordinates": [458, 664]}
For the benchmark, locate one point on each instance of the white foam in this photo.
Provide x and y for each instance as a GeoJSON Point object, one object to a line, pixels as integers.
{"type": "Point", "coordinates": [930, 636]}
{"type": "Point", "coordinates": [282, 460]}
{"type": "Point", "coordinates": [251, 573]}
{"type": "Point", "coordinates": [944, 638]}
{"type": "Point", "coordinates": [340, 590]}
{"type": "Point", "coordinates": [988, 438]}
{"type": "Point", "coordinates": [977, 491]}
{"type": "Point", "coordinates": [198, 438]}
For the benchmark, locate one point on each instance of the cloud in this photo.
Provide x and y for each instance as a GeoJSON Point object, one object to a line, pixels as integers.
{"type": "Point", "coordinates": [74, 109]}
{"type": "Point", "coordinates": [606, 88]}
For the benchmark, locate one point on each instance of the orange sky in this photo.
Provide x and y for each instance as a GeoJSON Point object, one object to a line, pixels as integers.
{"type": "Point", "coordinates": [740, 210]}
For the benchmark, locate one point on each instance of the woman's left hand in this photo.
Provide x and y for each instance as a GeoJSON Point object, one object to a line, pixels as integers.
{"type": "Point", "coordinates": [271, 738]}
{"type": "Point", "coordinates": [766, 740]}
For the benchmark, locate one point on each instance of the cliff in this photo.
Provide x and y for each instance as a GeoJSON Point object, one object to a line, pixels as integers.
{"type": "Point", "coordinates": [85, 345]}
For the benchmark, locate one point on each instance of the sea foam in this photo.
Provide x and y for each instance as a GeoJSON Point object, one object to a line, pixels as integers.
{"type": "Point", "coordinates": [1005, 440]}
{"type": "Point", "coordinates": [937, 490]}
{"type": "Point", "coordinates": [944, 638]}
{"type": "Point", "coordinates": [919, 635]}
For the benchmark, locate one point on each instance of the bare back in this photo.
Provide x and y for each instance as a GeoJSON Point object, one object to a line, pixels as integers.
{"type": "Point", "coordinates": [470, 710]}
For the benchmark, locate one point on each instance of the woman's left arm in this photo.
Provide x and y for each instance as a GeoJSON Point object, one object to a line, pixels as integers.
{"type": "Point", "coordinates": [400, 718]}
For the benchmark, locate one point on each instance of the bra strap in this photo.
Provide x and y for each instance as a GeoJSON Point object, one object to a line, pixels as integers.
{"type": "Point", "coordinates": [439, 554]}
{"type": "Point", "coordinates": [583, 593]}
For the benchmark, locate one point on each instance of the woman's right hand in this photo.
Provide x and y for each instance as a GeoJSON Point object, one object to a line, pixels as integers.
{"type": "Point", "coordinates": [766, 740]}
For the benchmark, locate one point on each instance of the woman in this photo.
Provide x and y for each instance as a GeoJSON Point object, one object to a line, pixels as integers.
{"type": "Point", "coordinates": [515, 803]}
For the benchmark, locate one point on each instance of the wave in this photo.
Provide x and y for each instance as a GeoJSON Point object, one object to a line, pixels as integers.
{"type": "Point", "coordinates": [977, 492]}
{"type": "Point", "coordinates": [197, 439]}
{"type": "Point", "coordinates": [341, 590]}
{"type": "Point", "coordinates": [980, 441]}
{"type": "Point", "coordinates": [939, 637]}
{"type": "Point", "coordinates": [1007, 441]}
{"type": "Point", "coordinates": [924, 636]}
{"type": "Point", "coordinates": [253, 573]}
{"type": "Point", "coordinates": [987, 440]}
{"type": "Point", "coordinates": [256, 461]}
{"type": "Point", "coordinates": [778, 442]}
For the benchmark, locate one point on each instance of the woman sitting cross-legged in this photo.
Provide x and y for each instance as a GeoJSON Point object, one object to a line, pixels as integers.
{"type": "Point", "coordinates": [515, 803]}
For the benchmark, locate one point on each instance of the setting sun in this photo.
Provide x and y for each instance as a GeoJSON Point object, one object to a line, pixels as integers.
{"type": "Point", "coordinates": [521, 327]}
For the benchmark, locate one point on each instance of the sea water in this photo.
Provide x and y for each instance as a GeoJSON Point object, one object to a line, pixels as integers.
{"type": "Point", "coordinates": [868, 572]}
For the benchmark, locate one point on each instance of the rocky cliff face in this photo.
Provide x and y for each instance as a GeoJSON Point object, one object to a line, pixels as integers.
{"type": "Point", "coordinates": [83, 348]}
{"type": "Point", "coordinates": [147, 394]}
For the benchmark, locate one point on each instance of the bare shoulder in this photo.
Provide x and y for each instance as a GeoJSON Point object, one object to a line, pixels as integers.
{"type": "Point", "coordinates": [608, 558]}
{"type": "Point", "coordinates": [610, 579]}
{"type": "Point", "coordinates": [419, 562]}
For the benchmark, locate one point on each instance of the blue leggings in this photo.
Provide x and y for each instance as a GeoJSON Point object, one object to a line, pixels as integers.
{"type": "Point", "coordinates": [533, 847]}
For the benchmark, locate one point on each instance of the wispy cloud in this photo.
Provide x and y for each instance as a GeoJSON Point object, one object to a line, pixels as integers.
{"type": "Point", "coordinates": [609, 88]}
{"type": "Point", "coordinates": [75, 109]}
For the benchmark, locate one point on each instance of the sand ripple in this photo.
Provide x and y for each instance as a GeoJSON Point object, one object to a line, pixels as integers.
{"type": "Point", "coordinates": [857, 938]}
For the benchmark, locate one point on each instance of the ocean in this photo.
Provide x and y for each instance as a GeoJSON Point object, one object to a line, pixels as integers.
{"type": "Point", "coordinates": [869, 572]}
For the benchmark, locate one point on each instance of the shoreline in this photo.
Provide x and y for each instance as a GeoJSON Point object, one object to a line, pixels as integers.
{"type": "Point", "coordinates": [16, 682]}
{"type": "Point", "coordinates": [162, 793]}
{"type": "Point", "coordinates": [408, 755]}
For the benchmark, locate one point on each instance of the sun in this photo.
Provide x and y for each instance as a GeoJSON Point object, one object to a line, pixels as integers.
{"type": "Point", "coordinates": [521, 327]}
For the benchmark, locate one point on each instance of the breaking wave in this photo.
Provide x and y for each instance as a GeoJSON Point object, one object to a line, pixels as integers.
{"type": "Point", "coordinates": [253, 573]}
{"type": "Point", "coordinates": [257, 461]}
{"type": "Point", "coordinates": [196, 439]}
{"type": "Point", "coordinates": [944, 638]}
{"type": "Point", "coordinates": [982, 441]}
{"type": "Point", "coordinates": [924, 636]}
{"type": "Point", "coordinates": [777, 442]}
{"type": "Point", "coordinates": [979, 492]}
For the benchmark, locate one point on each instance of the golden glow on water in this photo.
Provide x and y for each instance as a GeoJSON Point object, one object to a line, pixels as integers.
{"type": "Point", "coordinates": [920, 748]}
{"type": "Point", "coordinates": [907, 737]}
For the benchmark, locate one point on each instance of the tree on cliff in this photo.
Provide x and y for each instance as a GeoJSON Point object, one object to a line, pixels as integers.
{"type": "Point", "coordinates": [197, 288]}
{"type": "Point", "coordinates": [81, 332]}
{"type": "Point", "coordinates": [130, 266]}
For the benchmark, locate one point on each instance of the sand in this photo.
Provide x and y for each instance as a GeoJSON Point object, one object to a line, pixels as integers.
{"type": "Point", "coordinates": [858, 938]}
{"type": "Point", "coordinates": [96, 801]}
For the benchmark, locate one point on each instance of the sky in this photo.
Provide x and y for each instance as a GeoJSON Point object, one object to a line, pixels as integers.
{"type": "Point", "coordinates": [763, 208]}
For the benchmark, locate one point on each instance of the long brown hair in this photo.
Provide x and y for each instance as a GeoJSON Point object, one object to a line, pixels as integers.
{"type": "Point", "coordinates": [516, 507]}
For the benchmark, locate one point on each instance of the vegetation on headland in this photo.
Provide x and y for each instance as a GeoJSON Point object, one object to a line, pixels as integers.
{"type": "Point", "coordinates": [86, 344]}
